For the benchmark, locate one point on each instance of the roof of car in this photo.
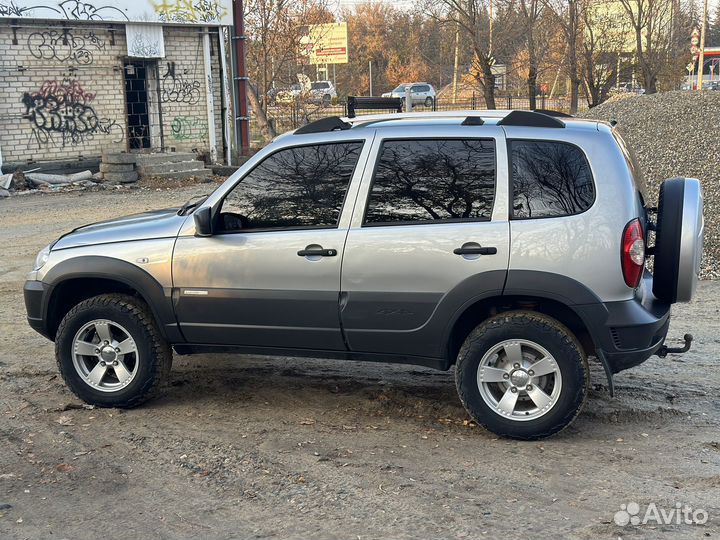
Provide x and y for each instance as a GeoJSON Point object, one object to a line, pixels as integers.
{"type": "Point", "coordinates": [449, 118]}
{"type": "Point", "coordinates": [504, 118]}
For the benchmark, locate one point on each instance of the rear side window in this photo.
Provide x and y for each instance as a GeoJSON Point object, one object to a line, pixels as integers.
{"type": "Point", "coordinates": [427, 181]}
{"type": "Point", "coordinates": [550, 179]}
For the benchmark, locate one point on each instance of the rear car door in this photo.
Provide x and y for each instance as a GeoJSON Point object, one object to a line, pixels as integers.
{"type": "Point", "coordinates": [271, 276]}
{"type": "Point", "coordinates": [429, 235]}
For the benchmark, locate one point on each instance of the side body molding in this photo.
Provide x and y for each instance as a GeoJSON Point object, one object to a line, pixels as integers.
{"type": "Point", "coordinates": [159, 298]}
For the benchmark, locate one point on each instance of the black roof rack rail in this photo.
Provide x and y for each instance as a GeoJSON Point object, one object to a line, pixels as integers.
{"type": "Point", "coordinates": [332, 123]}
{"type": "Point", "coordinates": [472, 121]}
{"type": "Point", "coordinates": [530, 119]}
{"type": "Point", "coordinates": [355, 103]}
{"type": "Point", "coordinates": [550, 112]}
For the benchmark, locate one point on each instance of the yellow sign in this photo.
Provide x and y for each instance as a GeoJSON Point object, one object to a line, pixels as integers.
{"type": "Point", "coordinates": [326, 43]}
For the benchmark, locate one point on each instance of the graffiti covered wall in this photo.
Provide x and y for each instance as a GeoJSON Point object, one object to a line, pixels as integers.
{"type": "Point", "coordinates": [63, 91]}
{"type": "Point", "coordinates": [205, 12]}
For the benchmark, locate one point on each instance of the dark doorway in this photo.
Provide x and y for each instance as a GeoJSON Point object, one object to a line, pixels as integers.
{"type": "Point", "coordinates": [136, 96]}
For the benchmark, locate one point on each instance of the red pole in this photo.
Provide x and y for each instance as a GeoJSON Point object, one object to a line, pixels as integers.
{"type": "Point", "coordinates": [242, 120]}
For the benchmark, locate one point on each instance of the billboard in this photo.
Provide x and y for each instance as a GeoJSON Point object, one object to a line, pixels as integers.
{"type": "Point", "coordinates": [326, 43]}
{"type": "Point", "coordinates": [205, 12]}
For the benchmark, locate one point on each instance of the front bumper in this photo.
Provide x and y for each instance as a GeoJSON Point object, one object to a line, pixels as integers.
{"type": "Point", "coordinates": [628, 333]}
{"type": "Point", "coordinates": [35, 293]}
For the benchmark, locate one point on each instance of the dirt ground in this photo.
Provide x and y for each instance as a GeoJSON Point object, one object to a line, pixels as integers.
{"type": "Point", "coordinates": [297, 448]}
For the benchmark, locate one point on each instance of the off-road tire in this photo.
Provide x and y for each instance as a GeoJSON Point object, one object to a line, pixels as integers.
{"type": "Point", "coordinates": [550, 334]}
{"type": "Point", "coordinates": [155, 355]}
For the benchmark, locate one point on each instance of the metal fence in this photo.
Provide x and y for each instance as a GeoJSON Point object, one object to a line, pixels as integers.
{"type": "Point", "coordinates": [286, 117]}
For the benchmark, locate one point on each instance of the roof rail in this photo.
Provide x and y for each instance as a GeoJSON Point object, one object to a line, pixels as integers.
{"type": "Point", "coordinates": [550, 112]}
{"type": "Point", "coordinates": [391, 104]}
{"type": "Point", "coordinates": [331, 123]}
{"type": "Point", "coordinates": [530, 119]}
{"type": "Point", "coordinates": [472, 121]}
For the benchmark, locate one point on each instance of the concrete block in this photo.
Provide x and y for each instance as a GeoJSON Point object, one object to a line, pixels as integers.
{"type": "Point", "coordinates": [116, 167]}
{"type": "Point", "coordinates": [118, 158]}
{"type": "Point", "coordinates": [122, 177]}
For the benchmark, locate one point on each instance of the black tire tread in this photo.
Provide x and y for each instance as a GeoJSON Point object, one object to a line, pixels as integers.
{"type": "Point", "coordinates": [523, 320]}
{"type": "Point", "coordinates": [161, 352]}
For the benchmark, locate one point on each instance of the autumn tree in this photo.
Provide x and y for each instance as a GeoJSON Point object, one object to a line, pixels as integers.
{"type": "Point", "coordinates": [651, 26]}
{"type": "Point", "coordinates": [487, 26]}
{"type": "Point", "coordinates": [274, 29]}
{"type": "Point", "coordinates": [607, 36]}
{"type": "Point", "coordinates": [569, 15]}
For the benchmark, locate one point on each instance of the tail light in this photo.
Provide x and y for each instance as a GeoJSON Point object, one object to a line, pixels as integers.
{"type": "Point", "coordinates": [633, 253]}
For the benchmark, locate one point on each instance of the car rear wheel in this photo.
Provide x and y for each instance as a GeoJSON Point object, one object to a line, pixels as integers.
{"type": "Point", "coordinates": [522, 375]}
{"type": "Point", "coordinates": [110, 352]}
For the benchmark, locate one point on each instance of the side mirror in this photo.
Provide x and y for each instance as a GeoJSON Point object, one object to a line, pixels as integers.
{"type": "Point", "coordinates": [203, 221]}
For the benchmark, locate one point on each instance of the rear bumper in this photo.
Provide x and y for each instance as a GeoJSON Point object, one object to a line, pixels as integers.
{"type": "Point", "coordinates": [35, 295]}
{"type": "Point", "coordinates": [629, 332]}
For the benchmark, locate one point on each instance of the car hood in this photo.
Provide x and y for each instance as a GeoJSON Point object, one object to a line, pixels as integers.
{"type": "Point", "coordinates": [146, 226]}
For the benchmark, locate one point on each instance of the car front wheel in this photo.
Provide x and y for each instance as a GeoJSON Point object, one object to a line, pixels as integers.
{"type": "Point", "coordinates": [110, 352]}
{"type": "Point", "coordinates": [522, 375]}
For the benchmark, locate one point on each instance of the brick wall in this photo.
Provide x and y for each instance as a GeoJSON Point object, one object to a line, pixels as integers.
{"type": "Point", "coordinates": [62, 91]}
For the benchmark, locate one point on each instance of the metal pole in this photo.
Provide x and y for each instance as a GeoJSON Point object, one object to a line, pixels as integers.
{"type": "Point", "coordinates": [242, 120]}
{"type": "Point", "coordinates": [701, 58]}
{"type": "Point", "coordinates": [455, 67]}
{"type": "Point", "coordinates": [370, 69]}
{"type": "Point", "coordinates": [209, 94]}
{"type": "Point", "coordinates": [225, 102]}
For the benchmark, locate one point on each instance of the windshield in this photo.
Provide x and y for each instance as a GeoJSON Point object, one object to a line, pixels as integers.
{"type": "Point", "coordinates": [400, 88]}
{"type": "Point", "coordinates": [320, 85]}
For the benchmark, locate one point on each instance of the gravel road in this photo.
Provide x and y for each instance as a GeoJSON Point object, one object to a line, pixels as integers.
{"type": "Point", "coordinates": [295, 448]}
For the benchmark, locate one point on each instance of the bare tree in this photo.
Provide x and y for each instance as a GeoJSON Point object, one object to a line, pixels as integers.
{"type": "Point", "coordinates": [604, 42]}
{"type": "Point", "coordinates": [536, 40]}
{"type": "Point", "coordinates": [275, 29]}
{"type": "Point", "coordinates": [569, 14]}
{"type": "Point", "coordinates": [651, 22]}
{"type": "Point", "coordinates": [485, 32]}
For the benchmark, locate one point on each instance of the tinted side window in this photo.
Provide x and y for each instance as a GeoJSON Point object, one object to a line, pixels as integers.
{"type": "Point", "coordinates": [420, 181]}
{"type": "Point", "coordinates": [297, 187]}
{"type": "Point", "coordinates": [550, 179]}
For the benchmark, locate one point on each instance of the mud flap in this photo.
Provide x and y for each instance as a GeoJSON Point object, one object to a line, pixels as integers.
{"type": "Point", "coordinates": [608, 371]}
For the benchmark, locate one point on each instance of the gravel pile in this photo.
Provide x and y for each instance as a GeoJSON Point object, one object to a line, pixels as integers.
{"type": "Point", "coordinates": [675, 134]}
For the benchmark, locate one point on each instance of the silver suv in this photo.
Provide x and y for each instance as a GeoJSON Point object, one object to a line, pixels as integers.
{"type": "Point", "coordinates": [510, 245]}
{"type": "Point", "coordinates": [422, 93]}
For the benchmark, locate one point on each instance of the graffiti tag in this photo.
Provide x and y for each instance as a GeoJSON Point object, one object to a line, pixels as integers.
{"type": "Point", "coordinates": [176, 89]}
{"type": "Point", "coordinates": [185, 128]}
{"type": "Point", "coordinates": [70, 9]}
{"type": "Point", "coordinates": [61, 114]}
{"type": "Point", "coordinates": [189, 11]}
{"type": "Point", "coordinates": [64, 46]}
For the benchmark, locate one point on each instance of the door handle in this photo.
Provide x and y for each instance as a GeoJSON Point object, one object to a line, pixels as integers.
{"type": "Point", "coordinates": [317, 252]}
{"type": "Point", "coordinates": [479, 250]}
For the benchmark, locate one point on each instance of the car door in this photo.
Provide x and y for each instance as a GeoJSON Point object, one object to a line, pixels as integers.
{"type": "Point", "coordinates": [429, 235]}
{"type": "Point", "coordinates": [418, 93]}
{"type": "Point", "coordinates": [270, 276]}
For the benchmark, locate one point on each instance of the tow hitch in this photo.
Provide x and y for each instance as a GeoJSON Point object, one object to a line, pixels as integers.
{"type": "Point", "coordinates": [665, 350]}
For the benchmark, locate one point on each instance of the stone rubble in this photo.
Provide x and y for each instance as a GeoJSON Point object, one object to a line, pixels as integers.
{"type": "Point", "coordinates": [675, 134]}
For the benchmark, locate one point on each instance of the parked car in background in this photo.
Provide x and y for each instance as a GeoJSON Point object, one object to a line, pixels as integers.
{"type": "Point", "coordinates": [422, 93]}
{"type": "Point", "coordinates": [628, 87]}
{"type": "Point", "coordinates": [322, 92]}
{"type": "Point", "coordinates": [288, 95]}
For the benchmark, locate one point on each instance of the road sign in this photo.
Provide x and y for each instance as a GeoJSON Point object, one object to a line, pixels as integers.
{"type": "Point", "coordinates": [326, 43]}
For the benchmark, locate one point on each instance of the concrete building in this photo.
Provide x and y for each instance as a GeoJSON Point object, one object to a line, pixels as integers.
{"type": "Point", "coordinates": [80, 78]}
